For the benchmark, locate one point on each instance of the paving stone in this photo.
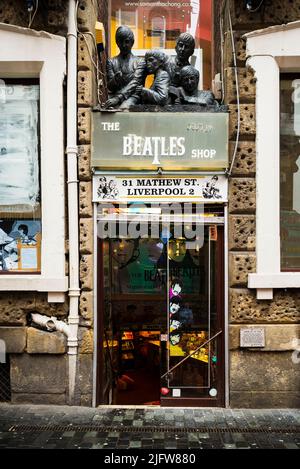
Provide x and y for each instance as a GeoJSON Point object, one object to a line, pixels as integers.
{"type": "Point", "coordinates": [111, 440]}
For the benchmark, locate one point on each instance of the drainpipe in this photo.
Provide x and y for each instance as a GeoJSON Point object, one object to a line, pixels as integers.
{"type": "Point", "coordinates": [72, 154]}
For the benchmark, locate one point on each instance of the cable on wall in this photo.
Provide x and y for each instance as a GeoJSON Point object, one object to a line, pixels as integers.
{"type": "Point", "coordinates": [30, 10]}
{"type": "Point", "coordinates": [222, 58]}
{"type": "Point", "coordinates": [97, 71]}
{"type": "Point", "coordinates": [255, 9]}
{"type": "Point", "coordinates": [237, 96]}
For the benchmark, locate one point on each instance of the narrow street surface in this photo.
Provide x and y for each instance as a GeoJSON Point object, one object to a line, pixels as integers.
{"type": "Point", "coordinates": [51, 427]}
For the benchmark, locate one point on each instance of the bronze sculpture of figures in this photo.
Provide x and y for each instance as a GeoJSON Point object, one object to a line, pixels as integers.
{"type": "Point", "coordinates": [175, 79]}
{"type": "Point", "coordinates": [155, 62]}
{"type": "Point", "coordinates": [185, 46]}
{"type": "Point", "coordinates": [187, 92]}
{"type": "Point", "coordinates": [121, 68]}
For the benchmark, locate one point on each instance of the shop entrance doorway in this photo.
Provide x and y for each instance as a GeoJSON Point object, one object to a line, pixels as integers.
{"type": "Point", "coordinates": [161, 317]}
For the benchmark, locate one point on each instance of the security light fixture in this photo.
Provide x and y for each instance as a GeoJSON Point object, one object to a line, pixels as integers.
{"type": "Point", "coordinates": [254, 5]}
{"type": "Point", "coordinates": [30, 4]}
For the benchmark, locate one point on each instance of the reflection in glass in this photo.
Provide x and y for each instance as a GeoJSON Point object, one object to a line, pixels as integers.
{"type": "Point", "coordinates": [192, 316]}
{"type": "Point", "coordinates": [290, 172]}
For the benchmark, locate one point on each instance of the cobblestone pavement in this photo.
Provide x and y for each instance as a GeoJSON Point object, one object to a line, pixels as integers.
{"type": "Point", "coordinates": [28, 426]}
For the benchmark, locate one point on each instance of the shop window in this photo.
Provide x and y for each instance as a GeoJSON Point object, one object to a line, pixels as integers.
{"type": "Point", "coordinates": [20, 224]}
{"type": "Point", "coordinates": [273, 54]}
{"type": "Point", "coordinates": [32, 192]}
{"type": "Point", "coordinates": [157, 25]}
{"type": "Point", "coordinates": [290, 171]}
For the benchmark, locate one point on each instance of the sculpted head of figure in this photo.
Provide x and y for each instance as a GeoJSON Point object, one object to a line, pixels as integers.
{"type": "Point", "coordinates": [185, 46]}
{"type": "Point", "coordinates": [154, 59]}
{"type": "Point", "coordinates": [124, 39]}
{"type": "Point", "coordinates": [189, 78]}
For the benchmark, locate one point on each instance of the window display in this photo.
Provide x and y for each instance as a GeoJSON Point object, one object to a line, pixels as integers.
{"type": "Point", "coordinates": [20, 246]}
{"type": "Point", "coordinates": [20, 224]}
{"type": "Point", "coordinates": [19, 158]}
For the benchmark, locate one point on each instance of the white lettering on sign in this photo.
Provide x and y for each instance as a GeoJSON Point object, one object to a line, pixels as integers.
{"type": "Point", "coordinates": [203, 153]}
{"type": "Point", "coordinates": [111, 126]}
{"type": "Point", "coordinates": [134, 145]}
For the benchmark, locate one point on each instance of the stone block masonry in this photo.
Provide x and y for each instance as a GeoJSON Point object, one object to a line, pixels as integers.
{"type": "Point", "coordinates": [264, 377]}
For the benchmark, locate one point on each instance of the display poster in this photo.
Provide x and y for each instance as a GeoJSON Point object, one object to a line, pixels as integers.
{"type": "Point", "coordinates": [20, 246]}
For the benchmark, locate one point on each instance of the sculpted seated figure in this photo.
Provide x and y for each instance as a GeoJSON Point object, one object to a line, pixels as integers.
{"type": "Point", "coordinates": [185, 46]}
{"type": "Point", "coordinates": [155, 61]}
{"type": "Point", "coordinates": [187, 92]}
{"type": "Point", "coordinates": [121, 68]}
{"type": "Point", "coordinates": [175, 79]}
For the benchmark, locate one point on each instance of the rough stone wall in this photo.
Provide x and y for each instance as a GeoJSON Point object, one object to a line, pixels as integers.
{"type": "Point", "coordinates": [87, 99]}
{"type": "Point", "coordinates": [38, 359]}
{"type": "Point", "coordinates": [51, 15]}
{"type": "Point", "coordinates": [265, 377]}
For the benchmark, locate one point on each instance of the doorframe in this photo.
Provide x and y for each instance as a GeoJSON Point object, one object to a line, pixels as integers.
{"type": "Point", "coordinates": [97, 333]}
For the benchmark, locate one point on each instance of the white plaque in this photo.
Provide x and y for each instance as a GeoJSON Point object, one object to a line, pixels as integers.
{"type": "Point", "coordinates": [123, 189]}
{"type": "Point", "coordinates": [252, 337]}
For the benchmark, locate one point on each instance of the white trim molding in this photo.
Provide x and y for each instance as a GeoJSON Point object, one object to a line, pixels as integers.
{"type": "Point", "coordinates": [270, 51]}
{"type": "Point", "coordinates": [26, 53]}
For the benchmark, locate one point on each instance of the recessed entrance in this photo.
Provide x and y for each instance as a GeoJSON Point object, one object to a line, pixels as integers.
{"type": "Point", "coordinates": [161, 313]}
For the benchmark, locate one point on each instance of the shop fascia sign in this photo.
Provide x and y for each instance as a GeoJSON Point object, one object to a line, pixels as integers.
{"type": "Point", "coordinates": [171, 141]}
{"type": "Point", "coordinates": [210, 188]}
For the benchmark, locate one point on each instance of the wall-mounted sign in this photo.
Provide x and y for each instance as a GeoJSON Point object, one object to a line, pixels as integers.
{"type": "Point", "coordinates": [252, 337]}
{"type": "Point", "coordinates": [173, 141]}
{"type": "Point", "coordinates": [211, 188]}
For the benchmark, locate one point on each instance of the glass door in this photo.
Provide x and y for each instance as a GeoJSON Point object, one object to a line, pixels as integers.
{"type": "Point", "coordinates": [194, 360]}
{"type": "Point", "coordinates": [160, 322]}
{"type": "Point", "coordinates": [133, 316]}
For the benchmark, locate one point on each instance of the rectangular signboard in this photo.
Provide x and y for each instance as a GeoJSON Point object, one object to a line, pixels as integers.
{"type": "Point", "coordinates": [123, 189]}
{"type": "Point", "coordinates": [148, 140]}
{"type": "Point", "coordinates": [252, 337]}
